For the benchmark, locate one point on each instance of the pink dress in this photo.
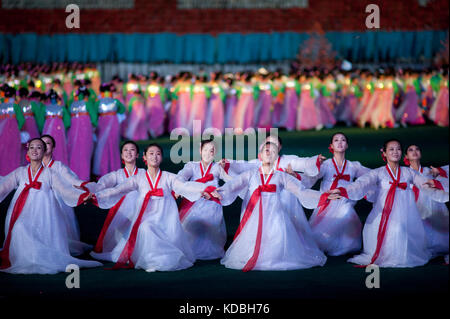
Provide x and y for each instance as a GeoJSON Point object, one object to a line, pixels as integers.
{"type": "Point", "coordinates": [10, 151]}
{"type": "Point", "coordinates": [307, 116]}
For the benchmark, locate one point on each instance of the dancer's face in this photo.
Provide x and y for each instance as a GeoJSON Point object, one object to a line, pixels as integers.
{"type": "Point", "coordinates": [393, 152]}
{"type": "Point", "coordinates": [49, 144]}
{"type": "Point", "coordinates": [129, 153]}
{"type": "Point", "coordinates": [153, 157]}
{"type": "Point", "coordinates": [413, 153]}
{"type": "Point", "coordinates": [339, 143]}
{"type": "Point", "coordinates": [36, 150]}
{"type": "Point", "coordinates": [269, 153]}
{"type": "Point", "coordinates": [274, 140]}
{"type": "Point", "coordinates": [208, 151]}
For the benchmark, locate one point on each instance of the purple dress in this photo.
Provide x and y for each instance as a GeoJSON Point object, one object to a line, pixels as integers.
{"type": "Point", "coordinates": [10, 151]}
{"type": "Point", "coordinates": [29, 126]}
{"type": "Point", "coordinates": [54, 126]}
{"type": "Point", "coordinates": [107, 153]}
{"type": "Point", "coordinates": [155, 110]}
{"type": "Point", "coordinates": [137, 125]}
{"type": "Point", "coordinates": [263, 110]}
{"type": "Point", "coordinates": [80, 143]}
{"type": "Point", "coordinates": [215, 114]}
{"type": "Point", "coordinates": [290, 107]}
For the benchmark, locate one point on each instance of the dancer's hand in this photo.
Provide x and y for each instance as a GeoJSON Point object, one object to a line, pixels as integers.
{"type": "Point", "coordinates": [222, 162]}
{"type": "Point", "coordinates": [321, 158]}
{"type": "Point", "coordinates": [290, 171]}
{"type": "Point", "coordinates": [216, 194]}
{"type": "Point", "coordinates": [78, 187]}
{"type": "Point", "coordinates": [205, 195]}
{"type": "Point", "coordinates": [334, 191]}
{"type": "Point", "coordinates": [434, 171]}
{"type": "Point", "coordinates": [430, 183]}
{"type": "Point", "coordinates": [334, 196]}
{"type": "Point", "coordinates": [176, 195]}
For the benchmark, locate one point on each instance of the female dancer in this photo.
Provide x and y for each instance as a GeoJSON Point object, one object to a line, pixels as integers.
{"type": "Point", "coordinates": [291, 100]}
{"type": "Point", "coordinates": [393, 235]}
{"type": "Point", "coordinates": [215, 113]}
{"type": "Point", "coordinates": [203, 219]}
{"type": "Point", "coordinates": [155, 239]}
{"type": "Point", "coordinates": [434, 215]}
{"type": "Point", "coordinates": [307, 116]}
{"type": "Point", "coordinates": [156, 97]}
{"type": "Point", "coordinates": [76, 247]}
{"type": "Point", "coordinates": [118, 222]}
{"type": "Point", "coordinates": [266, 238]}
{"type": "Point", "coordinates": [80, 142]}
{"type": "Point", "coordinates": [11, 121]}
{"type": "Point", "coordinates": [57, 119]}
{"type": "Point", "coordinates": [439, 110]}
{"type": "Point", "coordinates": [409, 111]}
{"type": "Point", "coordinates": [36, 238]}
{"type": "Point", "coordinates": [136, 122]}
{"type": "Point", "coordinates": [106, 155]}
{"type": "Point", "coordinates": [335, 225]}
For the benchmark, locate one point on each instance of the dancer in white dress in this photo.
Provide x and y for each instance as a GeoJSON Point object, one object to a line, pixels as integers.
{"type": "Point", "coordinates": [203, 219]}
{"type": "Point", "coordinates": [393, 235]}
{"type": "Point", "coordinates": [155, 240]}
{"type": "Point", "coordinates": [65, 173]}
{"type": "Point", "coordinates": [335, 224]}
{"type": "Point", "coordinates": [119, 220]}
{"type": "Point", "coordinates": [36, 234]}
{"type": "Point", "coordinates": [308, 166]}
{"type": "Point", "coordinates": [435, 215]}
{"type": "Point", "coordinates": [266, 238]}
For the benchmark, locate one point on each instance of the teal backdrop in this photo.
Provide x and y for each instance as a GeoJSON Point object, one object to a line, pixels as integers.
{"type": "Point", "coordinates": [369, 46]}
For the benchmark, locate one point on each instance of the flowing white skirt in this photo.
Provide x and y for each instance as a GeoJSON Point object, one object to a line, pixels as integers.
{"type": "Point", "coordinates": [206, 230]}
{"type": "Point", "coordinates": [337, 230]}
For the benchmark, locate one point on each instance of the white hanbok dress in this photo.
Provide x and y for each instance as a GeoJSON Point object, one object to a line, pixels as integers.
{"type": "Point", "coordinates": [155, 239]}
{"type": "Point", "coordinates": [73, 231]}
{"type": "Point", "coordinates": [404, 243]}
{"type": "Point", "coordinates": [435, 217]}
{"type": "Point", "coordinates": [38, 239]}
{"type": "Point", "coordinates": [267, 238]}
{"type": "Point", "coordinates": [336, 226]}
{"type": "Point", "coordinates": [120, 217]}
{"type": "Point", "coordinates": [308, 166]}
{"type": "Point", "coordinates": [203, 220]}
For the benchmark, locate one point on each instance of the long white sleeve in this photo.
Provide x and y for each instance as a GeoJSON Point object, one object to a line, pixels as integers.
{"type": "Point", "coordinates": [231, 189]}
{"type": "Point", "coordinates": [108, 197]}
{"type": "Point", "coordinates": [64, 189]}
{"type": "Point", "coordinates": [192, 191]}
{"type": "Point", "coordinates": [308, 198]}
{"type": "Point", "coordinates": [9, 182]}
{"type": "Point", "coordinates": [186, 172]}
{"type": "Point", "coordinates": [306, 165]}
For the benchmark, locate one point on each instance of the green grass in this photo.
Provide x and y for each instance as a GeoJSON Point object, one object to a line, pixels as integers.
{"type": "Point", "coordinates": [208, 279]}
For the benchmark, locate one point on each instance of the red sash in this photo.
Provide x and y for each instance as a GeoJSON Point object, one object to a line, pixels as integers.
{"type": "Point", "coordinates": [185, 205]}
{"type": "Point", "coordinates": [442, 172]}
{"type": "Point", "coordinates": [111, 213]}
{"type": "Point", "coordinates": [324, 201]}
{"type": "Point", "coordinates": [124, 260]}
{"type": "Point", "coordinates": [387, 211]}
{"type": "Point", "coordinates": [256, 196]}
{"type": "Point", "coordinates": [415, 189]}
{"type": "Point", "coordinates": [17, 210]}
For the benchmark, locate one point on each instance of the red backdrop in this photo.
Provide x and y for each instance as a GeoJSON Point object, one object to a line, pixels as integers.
{"type": "Point", "coordinates": [153, 16]}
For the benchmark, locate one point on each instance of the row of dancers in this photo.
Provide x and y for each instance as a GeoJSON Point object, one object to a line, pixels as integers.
{"type": "Point", "coordinates": [145, 229]}
{"type": "Point", "coordinates": [91, 124]}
